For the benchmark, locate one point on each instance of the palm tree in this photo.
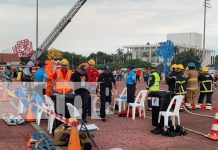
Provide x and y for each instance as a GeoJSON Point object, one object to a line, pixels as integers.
{"type": "Point", "coordinates": [120, 53]}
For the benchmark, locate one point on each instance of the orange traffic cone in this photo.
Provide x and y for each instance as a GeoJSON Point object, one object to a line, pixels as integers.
{"type": "Point", "coordinates": [214, 131]}
{"type": "Point", "coordinates": [5, 95]}
{"type": "Point", "coordinates": [30, 114]}
{"type": "Point", "coordinates": [74, 142]}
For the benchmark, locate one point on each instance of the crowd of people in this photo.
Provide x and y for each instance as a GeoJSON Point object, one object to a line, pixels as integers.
{"type": "Point", "coordinates": [180, 81]}
{"type": "Point", "coordinates": [187, 83]}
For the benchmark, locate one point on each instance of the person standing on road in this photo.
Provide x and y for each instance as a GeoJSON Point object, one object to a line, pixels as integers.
{"type": "Point", "coordinates": [170, 80]}
{"type": "Point", "coordinates": [106, 79]}
{"type": "Point", "coordinates": [40, 78]}
{"type": "Point", "coordinates": [62, 78]}
{"type": "Point", "coordinates": [80, 88]}
{"type": "Point", "coordinates": [192, 85]}
{"type": "Point", "coordinates": [130, 84]}
{"type": "Point", "coordinates": [206, 87]}
{"type": "Point", "coordinates": [180, 85]}
{"type": "Point", "coordinates": [7, 74]}
{"type": "Point", "coordinates": [138, 74]}
{"type": "Point", "coordinates": [40, 74]}
{"type": "Point", "coordinates": [153, 83]}
{"type": "Point", "coordinates": [93, 75]}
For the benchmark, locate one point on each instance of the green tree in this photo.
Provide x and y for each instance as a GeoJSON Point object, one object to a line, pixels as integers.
{"type": "Point", "coordinates": [176, 51]}
{"type": "Point", "coordinates": [192, 55]}
{"type": "Point", "coordinates": [137, 63]}
{"type": "Point", "coordinates": [120, 53]}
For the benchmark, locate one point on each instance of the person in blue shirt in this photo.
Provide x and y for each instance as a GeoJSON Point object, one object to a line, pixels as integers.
{"type": "Point", "coordinates": [130, 84]}
{"type": "Point", "coordinates": [40, 74]}
{"type": "Point", "coordinates": [40, 79]}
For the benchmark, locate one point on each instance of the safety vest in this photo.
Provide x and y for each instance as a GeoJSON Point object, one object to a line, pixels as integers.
{"type": "Point", "coordinates": [156, 86]}
{"type": "Point", "coordinates": [180, 85]}
{"type": "Point", "coordinates": [206, 85]}
{"type": "Point", "coordinates": [63, 84]}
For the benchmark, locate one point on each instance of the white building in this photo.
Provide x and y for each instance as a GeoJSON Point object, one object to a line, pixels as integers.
{"type": "Point", "coordinates": [184, 41]}
{"type": "Point", "coordinates": [191, 40]}
{"type": "Point", "coordinates": [143, 52]}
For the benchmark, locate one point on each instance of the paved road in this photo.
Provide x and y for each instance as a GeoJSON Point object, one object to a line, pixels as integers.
{"type": "Point", "coordinates": [124, 132]}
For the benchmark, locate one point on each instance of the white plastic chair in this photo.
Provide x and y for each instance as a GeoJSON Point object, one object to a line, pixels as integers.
{"type": "Point", "coordinates": [121, 100]}
{"type": "Point", "coordinates": [139, 103]}
{"type": "Point", "coordinates": [20, 106]}
{"type": "Point", "coordinates": [175, 113]}
{"type": "Point", "coordinates": [51, 117]}
{"type": "Point", "coordinates": [74, 113]}
{"type": "Point", "coordinates": [39, 113]}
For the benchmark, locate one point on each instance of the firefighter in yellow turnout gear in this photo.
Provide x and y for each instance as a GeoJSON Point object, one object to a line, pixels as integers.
{"type": "Point", "coordinates": [180, 82]}
{"type": "Point", "coordinates": [192, 85]}
{"type": "Point", "coordinates": [206, 87]}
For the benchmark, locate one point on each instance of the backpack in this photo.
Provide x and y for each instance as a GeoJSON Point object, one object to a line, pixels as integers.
{"type": "Point", "coordinates": [173, 131]}
{"type": "Point", "coordinates": [61, 135]}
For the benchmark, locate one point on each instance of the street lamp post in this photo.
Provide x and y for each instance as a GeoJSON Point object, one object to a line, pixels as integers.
{"type": "Point", "coordinates": [207, 4]}
{"type": "Point", "coordinates": [37, 26]}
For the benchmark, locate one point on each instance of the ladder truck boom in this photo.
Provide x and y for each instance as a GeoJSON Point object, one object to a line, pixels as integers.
{"type": "Point", "coordinates": [58, 29]}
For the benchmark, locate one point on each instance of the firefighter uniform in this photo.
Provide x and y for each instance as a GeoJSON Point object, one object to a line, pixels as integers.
{"type": "Point", "coordinates": [192, 84]}
{"type": "Point", "coordinates": [170, 80]}
{"type": "Point", "coordinates": [206, 87]}
{"type": "Point", "coordinates": [180, 84]}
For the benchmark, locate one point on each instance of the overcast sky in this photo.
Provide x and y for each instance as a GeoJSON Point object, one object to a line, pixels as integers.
{"type": "Point", "coordinates": [105, 25]}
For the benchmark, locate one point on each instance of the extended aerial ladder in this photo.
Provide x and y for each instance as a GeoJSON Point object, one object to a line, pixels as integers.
{"type": "Point", "coordinates": [57, 30]}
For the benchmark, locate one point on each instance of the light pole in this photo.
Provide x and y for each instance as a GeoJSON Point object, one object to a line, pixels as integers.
{"type": "Point", "coordinates": [37, 27]}
{"type": "Point", "coordinates": [207, 4]}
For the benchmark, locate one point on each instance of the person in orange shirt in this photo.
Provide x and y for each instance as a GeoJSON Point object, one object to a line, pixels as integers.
{"type": "Point", "coordinates": [93, 75]}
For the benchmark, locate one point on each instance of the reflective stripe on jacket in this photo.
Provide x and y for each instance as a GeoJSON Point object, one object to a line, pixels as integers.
{"type": "Point", "coordinates": [63, 84]}
{"type": "Point", "coordinates": [206, 83]}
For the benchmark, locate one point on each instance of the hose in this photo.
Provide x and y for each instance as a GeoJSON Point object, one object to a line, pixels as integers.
{"type": "Point", "coordinates": [195, 114]}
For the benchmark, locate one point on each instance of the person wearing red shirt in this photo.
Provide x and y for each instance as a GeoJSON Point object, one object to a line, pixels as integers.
{"type": "Point", "coordinates": [138, 73]}
{"type": "Point", "coordinates": [92, 72]}
{"type": "Point", "coordinates": [93, 75]}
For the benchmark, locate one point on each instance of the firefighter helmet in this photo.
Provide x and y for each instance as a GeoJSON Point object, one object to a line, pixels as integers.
{"type": "Point", "coordinates": [180, 66]}
{"type": "Point", "coordinates": [91, 62]}
{"type": "Point", "coordinates": [191, 64]}
{"type": "Point", "coordinates": [205, 69]}
{"type": "Point", "coordinates": [64, 62]}
{"type": "Point", "coordinates": [174, 66]}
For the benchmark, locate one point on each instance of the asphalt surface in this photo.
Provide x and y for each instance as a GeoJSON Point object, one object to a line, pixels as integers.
{"type": "Point", "coordinates": [125, 133]}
